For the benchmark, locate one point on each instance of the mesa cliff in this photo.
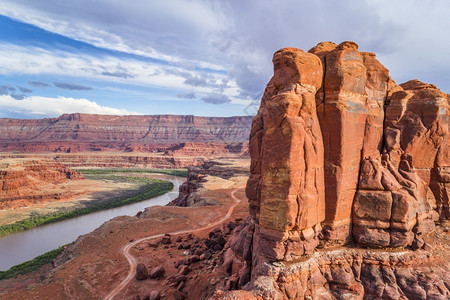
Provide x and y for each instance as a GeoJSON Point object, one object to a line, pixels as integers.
{"type": "Point", "coordinates": [173, 134]}
{"type": "Point", "coordinates": [349, 175]}
{"type": "Point", "coordinates": [30, 181]}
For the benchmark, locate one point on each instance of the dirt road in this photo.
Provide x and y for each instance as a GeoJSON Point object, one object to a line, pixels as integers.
{"type": "Point", "coordinates": [125, 250]}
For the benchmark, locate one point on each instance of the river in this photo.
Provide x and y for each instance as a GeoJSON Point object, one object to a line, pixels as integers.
{"type": "Point", "coordinates": [25, 245]}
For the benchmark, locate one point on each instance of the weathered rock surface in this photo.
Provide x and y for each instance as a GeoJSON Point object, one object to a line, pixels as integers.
{"type": "Point", "coordinates": [350, 107]}
{"type": "Point", "coordinates": [340, 156]}
{"type": "Point", "coordinates": [21, 181]}
{"type": "Point", "coordinates": [141, 272]}
{"type": "Point", "coordinates": [286, 187]}
{"type": "Point", "coordinates": [116, 160]}
{"type": "Point", "coordinates": [417, 124]}
{"type": "Point", "coordinates": [189, 191]}
{"type": "Point", "coordinates": [91, 133]}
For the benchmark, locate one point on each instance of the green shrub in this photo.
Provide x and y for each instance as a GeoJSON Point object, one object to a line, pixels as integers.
{"type": "Point", "coordinates": [150, 188]}
{"type": "Point", "coordinates": [32, 265]}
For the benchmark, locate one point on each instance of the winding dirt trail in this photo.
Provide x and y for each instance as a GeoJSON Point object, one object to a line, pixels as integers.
{"type": "Point", "coordinates": [125, 250]}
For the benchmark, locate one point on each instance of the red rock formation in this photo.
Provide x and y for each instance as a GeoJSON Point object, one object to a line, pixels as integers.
{"type": "Point", "coordinates": [117, 160]}
{"type": "Point", "coordinates": [207, 149]}
{"type": "Point", "coordinates": [350, 110]}
{"type": "Point", "coordinates": [21, 181]}
{"type": "Point", "coordinates": [82, 132]}
{"type": "Point", "coordinates": [417, 121]}
{"type": "Point", "coordinates": [382, 151]}
{"type": "Point", "coordinates": [286, 188]}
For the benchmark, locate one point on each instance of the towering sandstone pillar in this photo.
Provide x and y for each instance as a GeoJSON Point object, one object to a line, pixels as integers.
{"type": "Point", "coordinates": [350, 110]}
{"type": "Point", "coordinates": [286, 188]}
{"type": "Point", "coordinates": [340, 153]}
{"type": "Point", "coordinates": [337, 144]}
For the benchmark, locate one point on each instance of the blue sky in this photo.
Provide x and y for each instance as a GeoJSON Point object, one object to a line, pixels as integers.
{"type": "Point", "coordinates": [208, 58]}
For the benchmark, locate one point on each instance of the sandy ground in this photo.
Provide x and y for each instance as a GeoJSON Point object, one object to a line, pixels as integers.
{"type": "Point", "coordinates": [96, 264]}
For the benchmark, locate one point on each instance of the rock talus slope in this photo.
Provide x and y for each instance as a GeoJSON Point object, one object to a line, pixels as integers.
{"type": "Point", "coordinates": [343, 157]}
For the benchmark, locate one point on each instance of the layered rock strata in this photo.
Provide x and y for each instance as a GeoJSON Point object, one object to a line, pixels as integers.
{"type": "Point", "coordinates": [115, 160]}
{"type": "Point", "coordinates": [21, 181]}
{"type": "Point", "coordinates": [71, 133]}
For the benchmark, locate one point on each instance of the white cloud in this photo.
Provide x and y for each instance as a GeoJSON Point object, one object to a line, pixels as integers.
{"type": "Point", "coordinates": [34, 60]}
{"type": "Point", "coordinates": [39, 107]}
{"type": "Point", "coordinates": [175, 26]}
{"type": "Point", "coordinates": [409, 36]}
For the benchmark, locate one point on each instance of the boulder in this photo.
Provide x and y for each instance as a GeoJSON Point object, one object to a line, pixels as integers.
{"type": "Point", "coordinates": [141, 272]}
{"type": "Point", "coordinates": [157, 272]}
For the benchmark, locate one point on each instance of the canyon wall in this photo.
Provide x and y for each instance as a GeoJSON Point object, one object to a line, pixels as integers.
{"type": "Point", "coordinates": [84, 132]}
{"type": "Point", "coordinates": [24, 181]}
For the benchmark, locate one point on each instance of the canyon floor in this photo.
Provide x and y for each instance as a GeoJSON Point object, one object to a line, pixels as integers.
{"type": "Point", "coordinates": [94, 265]}
{"type": "Point", "coordinates": [88, 190]}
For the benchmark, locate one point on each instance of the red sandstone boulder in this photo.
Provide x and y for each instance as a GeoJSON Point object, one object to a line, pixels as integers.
{"type": "Point", "coordinates": [141, 272]}
{"type": "Point", "coordinates": [157, 272]}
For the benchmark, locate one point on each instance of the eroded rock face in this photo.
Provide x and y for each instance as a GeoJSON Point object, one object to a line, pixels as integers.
{"type": "Point", "coordinates": [286, 188]}
{"type": "Point", "coordinates": [417, 120]}
{"type": "Point", "coordinates": [350, 110]}
{"type": "Point", "coordinates": [338, 148]}
{"type": "Point", "coordinates": [71, 133]}
{"type": "Point", "coordinates": [340, 153]}
{"type": "Point", "coordinates": [27, 181]}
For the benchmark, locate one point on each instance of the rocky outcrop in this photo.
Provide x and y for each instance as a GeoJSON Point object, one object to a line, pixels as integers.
{"type": "Point", "coordinates": [189, 192]}
{"type": "Point", "coordinates": [21, 181]}
{"type": "Point", "coordinates": [207, 149]}
{"type": "Point", "coordinates": [416, 125]}
{"type": "Point", "coordinates": [343, 158]}
{"type": "Point", "coordinates": [116, 160]}
{"type": "Point", "coordinates": [286, 187]}
{"type": "Point", "coordinates": [91, 133]}
{"type": "Point", "coordinates": [350, 107]}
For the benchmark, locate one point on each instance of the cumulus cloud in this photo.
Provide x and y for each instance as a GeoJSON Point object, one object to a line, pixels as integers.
{"type": "Point", "coordinates": [190, 95]}
{"type": "Point", "coordinates": [38, 107]}
{"type": "Point", "coordinates": [38, 84]}
{"type": "Point", "coordinates": [215, 98]}
{"type": "Point", "coordinates": [72, 87]}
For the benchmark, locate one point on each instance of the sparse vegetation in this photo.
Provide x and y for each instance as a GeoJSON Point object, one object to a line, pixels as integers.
{"type": "Point", "coordinates": [148, 188]}
{"type": "Point", "coordinates": [31, 265]}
